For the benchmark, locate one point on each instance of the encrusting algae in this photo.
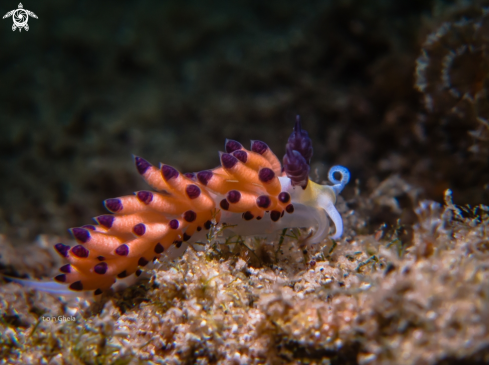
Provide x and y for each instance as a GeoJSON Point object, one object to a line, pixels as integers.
{"type": "Point", "coordinates": [364, 299]}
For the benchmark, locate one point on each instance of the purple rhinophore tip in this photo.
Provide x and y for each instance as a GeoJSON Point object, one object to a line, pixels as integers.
{"type": "Point", "coordinates": [234, 196]}
{"type": "Point", "coordinates": [66, 268]}
{"type": "Point", "coordinates": [62, 249]}
{"type": "Point", "coordinates": [241, 155]}
{"type": "Point", "coordinates": [207, 225]}
{"type": "Point", "coordinates": [289, 208]}
{"type": "Point", "coordinates": [139, 229]}
{"type": "Point", "coordinates": [174, 224]}
{"type": "Point", "coordinates": [231, 146]}
{"type": "Point", "coordinates": [263, 201]}
{"type": "Point", "coordinates": [105, 220]}
{"type": "Point", "coordinates": [159, 248]}
{"type": "Point", "coordinates": [122, 274]}
{"type": "Point", "coordinates": [60, 278]}
{"type": "Point", "coordinates": [204, 176]}
{"type": "Point", "coordinates": [190, 175]}
{"type": "Point", "coordinates": [101, 268]}
{"type": "Point", "coordinates": [89, 226]}
{"type": "Point", "coordinates": [122, 250]}
{"type": "Point", "coordinates": [266, 175]}
{"type": "Point", "coordinates": [141, 164]}
{"type": "Point", "coordinates": [97, 292]}
{"type": "Point", "coordinates": [284, 197]}
{"type": "Point", "coordinates": [77, 285]}
{"type": "Point", "coordinates": [113, 205]}
{"type": "Point", "coordinates": [193, 191]}
{"type": "Point", "coordinates": [145, 197]}
{"type": "Point", "coordinates": [298, 156]}
{"type": "Point", "coordinates": [224, 204]}
{"type": "Point", "coordinates": [228, 161]}
{"type": "Point", "coordinates": [247, 216]}
{"type": "Point", "coordinates": [259, 147]}
{"type": "Point", "coordinates": [275, 215]}
{"type": "Point", "coordinates": [80, 251]}
{"type": "Point", "coordinates": [186, 237]}
{"type": "Point", "coordinates": [189, 216]}
{"type": "Point", "coordinates": [169, 172]}
{"type": "Point", "coordinates": [143, 262]}
{"type": "Point", "coordinates": [81, 235]}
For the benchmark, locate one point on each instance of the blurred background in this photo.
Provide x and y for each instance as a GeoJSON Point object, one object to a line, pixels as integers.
{"type": "Point", "coordinates": [385, 88]}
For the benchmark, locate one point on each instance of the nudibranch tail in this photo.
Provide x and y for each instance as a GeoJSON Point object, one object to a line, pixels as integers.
{"type": "Point", "coordinates": [247, 190]}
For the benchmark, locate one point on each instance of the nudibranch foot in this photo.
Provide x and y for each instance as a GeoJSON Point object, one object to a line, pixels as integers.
{"type": "Point", "coordinates": [249, 191]}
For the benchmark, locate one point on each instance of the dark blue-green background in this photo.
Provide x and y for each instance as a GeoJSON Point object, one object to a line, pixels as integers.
{"type": "Point", "coordinates": [91, 83]}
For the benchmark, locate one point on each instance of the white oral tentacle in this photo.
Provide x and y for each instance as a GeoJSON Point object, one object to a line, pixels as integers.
{"type": "Point", "coordinates": [328, 205]}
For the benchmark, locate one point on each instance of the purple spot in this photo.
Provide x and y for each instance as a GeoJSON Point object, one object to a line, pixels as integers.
{"type": "Point", "coordinates": [178, 244]}
{"type": "Point", "coordinates": [284, 197]}
{"type": "Point", "coordinates": [186, 237]}
{"type": "Point", "coordinates": [141, 164]}
{"type": "Point", "coordinates": [80, 251]}
{"type": "Point", "coordinates": [81, 235]}
{"type": "Point", "coordinates": [174, 224]}
{"type": "Point", "coordinates": [207, 225]}
{"type": "Point", "coordinates": [241, 155]}
{"type": "Point", "coordinates": [138, 272]}
{"type": "Point", "coordinates": [234, 196]}
{"type": "Point", "coordinates": [193, 191]}
{"type": "Point", "coordinates": [258, 218]}
{"type": "Point", "coordinates": [143, 262]}
{"type": "Point", "coordinates": [266, 175]}
{"type": "Point", "coordinates": [189, 216]}
{"type": "Point", "coordinates": [101, 268]}
{"type": "Point", "coordinates": [289, 208]}
{"type": "Point", "coordinates": [247, 216]}
{"type": "Point", "coordinates": [263, 201]}
{"type": "Point", "coordinates": [100, 258]}
{"type": "Point", "coordinates": [228, 161]}
{"type": "Point", "coordinates": [66, 268]}
{"type": "Point", "coordinates": [62, 249]}
{"type": "Point", "coordinates": [139, 229]}
{"type": "Point", "coordinates": [105, 220]}
{"type": "Point", "coordinates": [122, 250]}
{"type": "Point", "coordinates": [60, 278]}
{"type": "Point", "coordinates": [113, 205]}
{"type": "Point", "coordinates": [159, 248]}
{"type": "Point", "coordinates": [190, 175]}
{"type": "Point", "coordinates": [275, 215]}
{"type": "Point", "coordinates": [169, 172]}
{"type": "Point", "coordinates": [122, 274]}
{"type": "Point", "coordinates": [259, 147]}
{"type": "Point", "coordinates": [77, 285]}
{"type": "Point", "coordinates": [145, 196]}
{"type": "Point", "coordinates": [232, 145]}
{"type": "Point", "coordinates": [224, 204]}
{"type": "Point", "coordinates": [89, 226]}
{"type": "Point", "coordinates": [97, 292]}
{"type": "Point", "coordinates": [204, 176]}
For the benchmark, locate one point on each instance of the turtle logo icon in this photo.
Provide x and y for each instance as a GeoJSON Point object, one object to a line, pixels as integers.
{"type": "Point", "coordinates": [20, 17]}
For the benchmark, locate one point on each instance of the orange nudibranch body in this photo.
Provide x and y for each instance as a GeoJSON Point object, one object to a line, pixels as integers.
{"type": "Point", "coordinates": [248, 190]}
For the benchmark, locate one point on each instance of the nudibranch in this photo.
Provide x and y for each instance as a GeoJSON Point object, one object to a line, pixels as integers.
{"type": "Point", "coordinates": [249, 191]}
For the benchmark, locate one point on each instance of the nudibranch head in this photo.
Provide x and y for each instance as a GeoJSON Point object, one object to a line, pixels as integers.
{"type": "Point", "coordinates": [249, 191]}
